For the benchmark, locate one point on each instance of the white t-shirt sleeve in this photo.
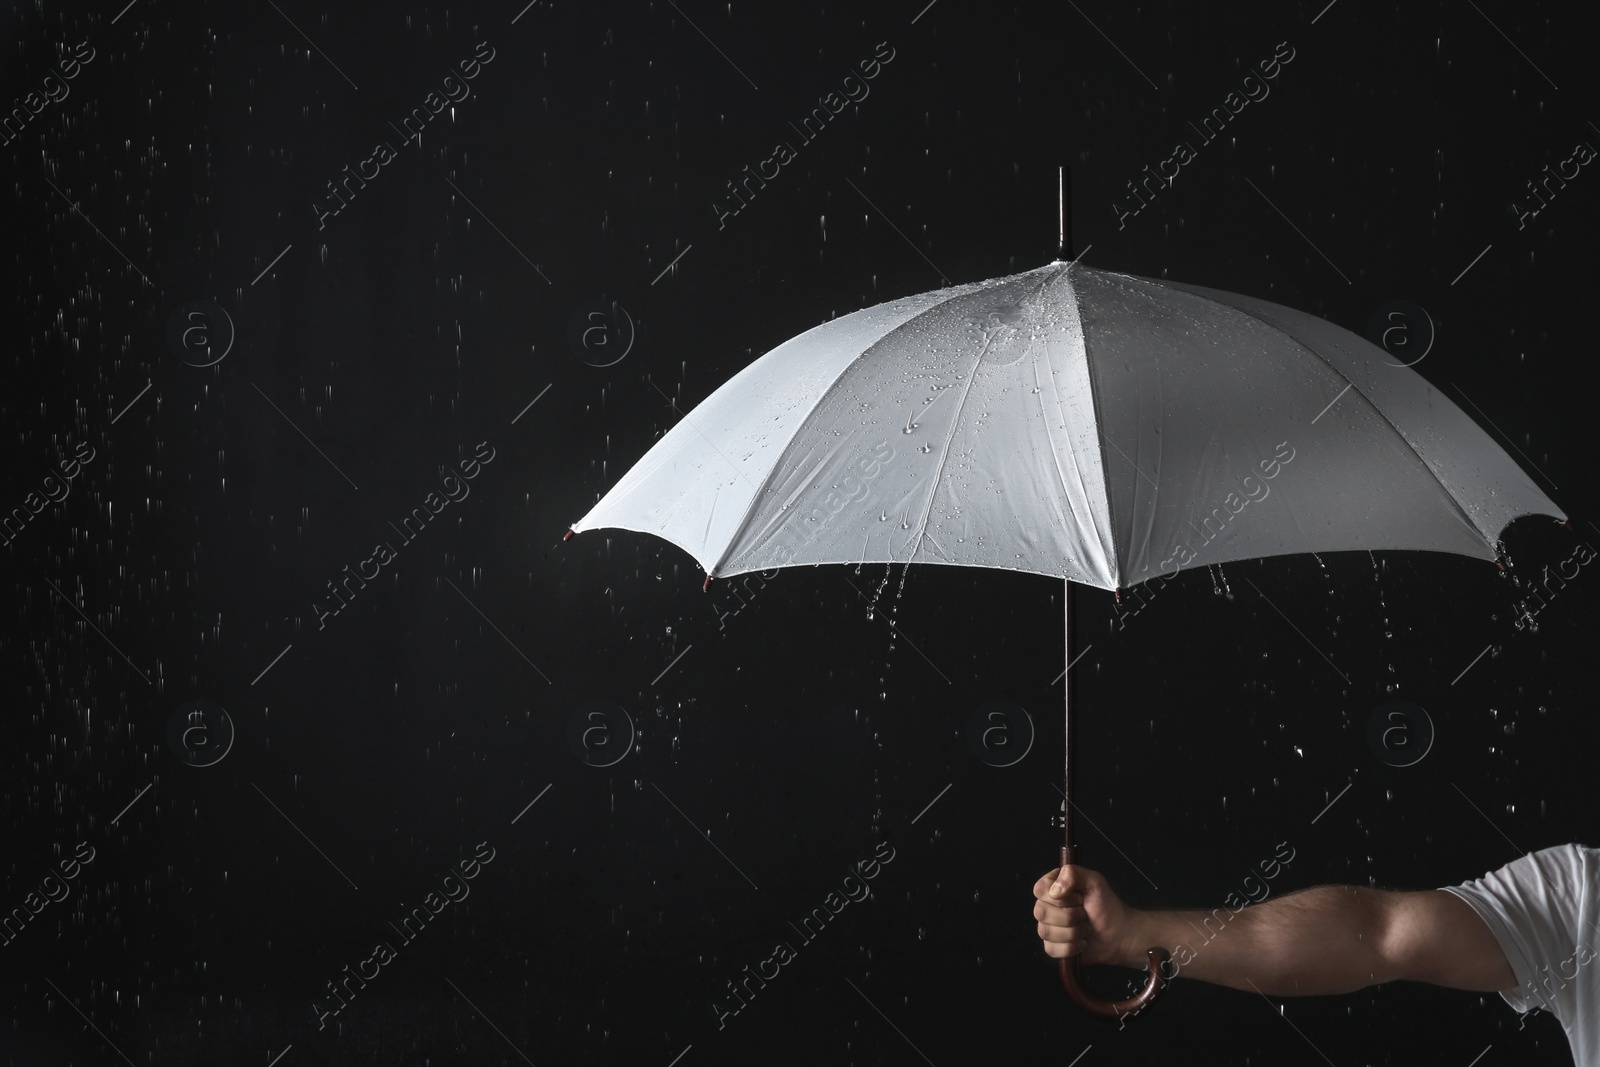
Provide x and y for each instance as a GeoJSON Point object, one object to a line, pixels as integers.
{"type": "Point", "coordinates": [1544, 910]}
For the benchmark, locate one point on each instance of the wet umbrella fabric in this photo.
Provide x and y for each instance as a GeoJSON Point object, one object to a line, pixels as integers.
{"type": "Point", "coordinates": [1097, 427]}
{"type": "Point", "coordinates": [1066, 421]}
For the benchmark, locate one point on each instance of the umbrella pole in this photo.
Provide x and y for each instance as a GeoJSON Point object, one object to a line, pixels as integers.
{"type": "Point", "coordinates": [1071, 969]}
{"type": "Point", "coordinates": [1068, 822]}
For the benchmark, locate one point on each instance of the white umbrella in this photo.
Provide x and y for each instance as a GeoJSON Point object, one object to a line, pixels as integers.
{"type": "Point", "coordinates": [1091, 426]}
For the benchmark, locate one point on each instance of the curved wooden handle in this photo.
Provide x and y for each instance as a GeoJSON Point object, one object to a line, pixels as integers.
{"type": "Point", "coordinates": [1072, 982]}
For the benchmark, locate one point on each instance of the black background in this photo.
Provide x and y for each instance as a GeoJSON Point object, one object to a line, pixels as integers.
{"type": "Point", "coordinates": [422, 719]}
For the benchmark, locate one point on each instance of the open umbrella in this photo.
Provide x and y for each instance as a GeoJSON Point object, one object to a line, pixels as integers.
{"type": "Point", "coordinates": [1096, 427]}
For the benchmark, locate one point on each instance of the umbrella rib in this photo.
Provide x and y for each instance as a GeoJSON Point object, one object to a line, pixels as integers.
{"type": "Point", "coordinates": [1105, 470]}
{"type": "Point", "coordinates": [944, 453]}
{"type": "Point", "coordinates": [833, 387]}
{"type": "Point", "coordinates": [684, 416]}
{"type": "Point", "coordinates": [955, 425]}
{"type": "Point", "coordinates": [1450, 496]}
{"type": "Point", "coordinates": [1055, 460]}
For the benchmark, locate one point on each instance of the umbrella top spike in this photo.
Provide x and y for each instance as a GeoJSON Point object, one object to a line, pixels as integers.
{"type": "Point", "coordinates": [1061, 212]}
{"type": "Point", "coordinates": [1063, 206]}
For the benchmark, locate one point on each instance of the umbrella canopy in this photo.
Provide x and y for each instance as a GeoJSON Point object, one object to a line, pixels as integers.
{"type": "Point", "coordinates": [1093, 426]}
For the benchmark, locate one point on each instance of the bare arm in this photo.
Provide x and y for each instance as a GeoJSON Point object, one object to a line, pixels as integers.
{"type": "Point", "coordinates": [1332, 939]}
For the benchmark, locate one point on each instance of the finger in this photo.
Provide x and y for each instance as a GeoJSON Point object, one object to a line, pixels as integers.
{"type": "Point", "coordinates": [1062, 934]}
{"type": "Point", "coordinates": [1071, 900]}
{"type": "Point", "coordinates": [1056, 915]}
{"type": "Point", "coordinates": [1074, 900]}
{"type": "Point", "coordinates": [1067, 879]}
{"type": "Point", "coordinates": [1063, 951]}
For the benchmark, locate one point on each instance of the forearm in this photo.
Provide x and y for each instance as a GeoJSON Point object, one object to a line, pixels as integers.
{"type": "Point", "coordinates": [1317, 941]}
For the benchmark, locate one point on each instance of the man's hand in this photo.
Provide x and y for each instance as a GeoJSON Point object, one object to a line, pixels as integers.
{"type": "Point", "coordinates": [1079, 915]}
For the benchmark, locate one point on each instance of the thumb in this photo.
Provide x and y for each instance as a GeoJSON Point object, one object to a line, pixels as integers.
{"type": "Point", "coordinates": [1065, 881]}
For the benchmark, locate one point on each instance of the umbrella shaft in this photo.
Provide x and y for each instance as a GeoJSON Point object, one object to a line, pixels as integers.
{"type": "Point", "coordinates": [1068, 831]}
{"type": "Point", "coordinates": [1068, 834]}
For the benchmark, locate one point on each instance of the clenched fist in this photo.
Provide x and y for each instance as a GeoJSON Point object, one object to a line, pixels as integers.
{"type": "Point", "coordinates": [1079, 915]}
